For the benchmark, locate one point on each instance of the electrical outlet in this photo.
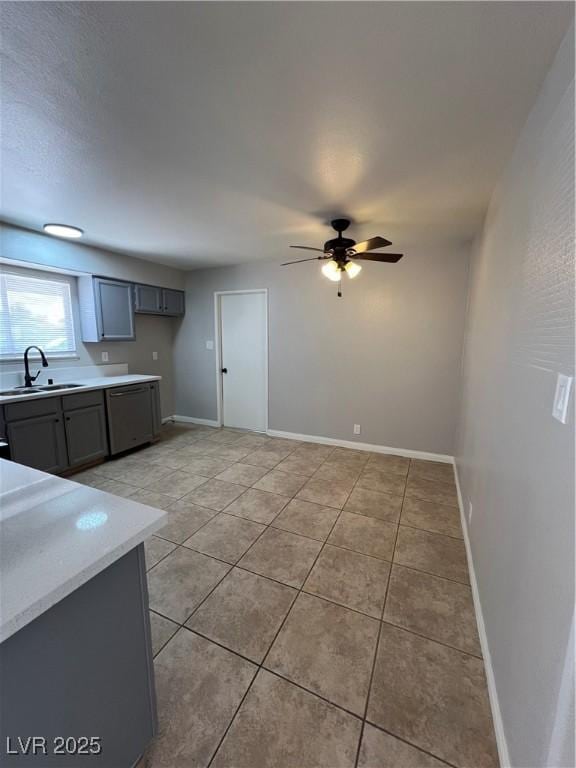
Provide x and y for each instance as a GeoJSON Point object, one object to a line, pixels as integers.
{"type": "Point", "coordinates": [562, 398]}
{"type": "Point", "coordinates": [469, 512]}
{"type": "Point", "coordinates": [154, 355]}
{"type": "Point", "coordinates": [356, 429]}
{"type": "Point", "coordinates": [210, 345]}
{"type": "Point", "coordinates": [104, 357]}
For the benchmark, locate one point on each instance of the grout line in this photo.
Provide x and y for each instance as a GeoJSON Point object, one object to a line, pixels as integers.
{"type": "Point", "coordinates": [429, 573]}
{"type": "Point", "coordinates": [411, 744]}
{"type": "Point", "coordinates": [302, 590]}
{"type": "Point", "coordinates": [427, 530]}
{"type": "Point", "coordinates": [377, 645]}
{"type": "Point", "coordinates": [283, 622]}
{"type": "Point", "coordinates": [260, 666]}
{"type": "Point", "coordinates": [431, 639]}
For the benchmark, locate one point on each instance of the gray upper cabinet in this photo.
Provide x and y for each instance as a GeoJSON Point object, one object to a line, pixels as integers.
{"type": "Point", "coordinates": [106, 309]}
{"type": "Point", "coordinates": [173, 302]}
{"type": "Point", "coordinates": [107, 306]}
{"type": "Point", "coordinates": [115, 310]}
{"type": "Point", "coordinates": [148, 299]}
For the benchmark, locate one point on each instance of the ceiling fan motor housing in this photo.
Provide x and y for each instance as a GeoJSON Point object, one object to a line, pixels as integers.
{"type": "Point", "coordinates": [339, 244]}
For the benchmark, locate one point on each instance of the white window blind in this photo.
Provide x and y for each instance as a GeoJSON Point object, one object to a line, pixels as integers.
{"type": "Point", "coordinates": [35, 311]}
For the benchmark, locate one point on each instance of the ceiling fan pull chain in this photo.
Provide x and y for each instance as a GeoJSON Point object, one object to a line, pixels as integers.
{"type": "Point", "coordinates": [340, 288]}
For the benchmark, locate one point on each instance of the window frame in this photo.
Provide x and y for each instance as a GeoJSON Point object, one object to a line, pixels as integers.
{"type": "Point", "coordinates": [69, 300]}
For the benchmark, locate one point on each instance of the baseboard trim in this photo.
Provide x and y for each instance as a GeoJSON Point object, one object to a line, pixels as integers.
{"type": "Point", "coordinates": [167, 419]}
{"type": "Point", "coordinates": [361, 446]}
{"type": "Point", "coordinates": [194, 420]}
{"type": "Point", "coordinates": [501, 742]}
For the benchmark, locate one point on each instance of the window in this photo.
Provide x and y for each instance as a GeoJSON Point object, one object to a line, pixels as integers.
{"type": "Point", "coordinates": [35, 311]}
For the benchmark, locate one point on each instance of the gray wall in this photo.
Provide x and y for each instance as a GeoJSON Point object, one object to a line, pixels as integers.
{"type": "Point", "coordinates": [37, 248]}
{"type": "Point", "coordinates": [152, 333]}
{"type": "Point", "coordinates": [385, 356]}
{"type": "Point", "coordinates": [515, 462]}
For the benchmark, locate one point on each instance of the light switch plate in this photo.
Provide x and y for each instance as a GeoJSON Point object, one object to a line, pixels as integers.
{"type": "Point", "coordinates": [209, 345]}
{"type": "Point", "coordinates": [562, 397]}
{"type": "Point", "coordinates": [154, 355]}
{"type": "Point", "coordinates": [356, 429]}
{"type": "Point", "coordinates": [104, 357]}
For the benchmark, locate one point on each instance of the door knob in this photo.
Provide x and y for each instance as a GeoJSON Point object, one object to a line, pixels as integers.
{"type": "Point", "coordinates": [224, 370]}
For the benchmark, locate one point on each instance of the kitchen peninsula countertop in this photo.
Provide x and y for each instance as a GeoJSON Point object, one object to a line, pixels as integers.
{"type": "Point", "coordinates": [55, 535]}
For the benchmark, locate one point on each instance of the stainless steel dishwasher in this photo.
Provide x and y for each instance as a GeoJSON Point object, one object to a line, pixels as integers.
{"type": "Point", "coordinates": [130, 416]}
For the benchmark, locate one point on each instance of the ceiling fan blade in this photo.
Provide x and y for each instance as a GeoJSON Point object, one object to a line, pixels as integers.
{"type": "Point", "coordinates": [307, 248]}
{"type": "Point", "coordinates": [369, 245]}
{"type": "Point", "coordinates": [314, 258]}
{"type": "Point", "coordinates": [390, 258]}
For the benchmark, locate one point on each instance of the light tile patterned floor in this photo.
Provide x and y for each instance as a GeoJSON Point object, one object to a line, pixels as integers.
{"type": "Point", "coordinates": [310, 606]}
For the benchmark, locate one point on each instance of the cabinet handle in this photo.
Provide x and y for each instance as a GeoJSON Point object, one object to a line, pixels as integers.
{"type": "Point", "coordinates": [56, 421]}
{"type": "Point", "coordinates": [132, 392]}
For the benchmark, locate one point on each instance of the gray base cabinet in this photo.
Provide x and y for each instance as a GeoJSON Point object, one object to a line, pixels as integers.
{"type": "Point", "coordinates": [83, 669]}
{"type": "Point", "coordinates": [39, 442]}
{"type": "Point", "coordinates": [54, 434]}
{"type": "Point", "coordinates": [85, 425]}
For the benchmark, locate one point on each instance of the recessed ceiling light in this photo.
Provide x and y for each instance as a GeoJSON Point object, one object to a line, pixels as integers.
{"type": "Point", "coordinates": [63, 230]}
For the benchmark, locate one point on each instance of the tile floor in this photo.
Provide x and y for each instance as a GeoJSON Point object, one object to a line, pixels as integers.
{"type": "Point", "coordinates": [310, 606]}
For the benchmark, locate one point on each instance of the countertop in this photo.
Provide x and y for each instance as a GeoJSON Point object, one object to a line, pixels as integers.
{"type": "Point", "coordinates": [55, 535]}
{"type": "Point", "coordinates": [98, 382]}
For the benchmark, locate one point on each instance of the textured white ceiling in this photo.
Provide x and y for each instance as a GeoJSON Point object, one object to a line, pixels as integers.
{"type": "Point", "coordinates": [215, 133]}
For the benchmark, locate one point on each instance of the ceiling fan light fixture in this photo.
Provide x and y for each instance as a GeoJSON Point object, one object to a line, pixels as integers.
{"type": "Point", "coordinates": [331, 270]}
{"type": "Point", "coordinates": [353, 269]}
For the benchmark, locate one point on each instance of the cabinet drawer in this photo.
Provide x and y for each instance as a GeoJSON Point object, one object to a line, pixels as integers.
{"type": "Point", "coordinates": [82, 400]}
{"type": "Point", "coordinates": [32, 408]}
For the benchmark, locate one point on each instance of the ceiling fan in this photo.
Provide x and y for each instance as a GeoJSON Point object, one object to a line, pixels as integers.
{"type": "Point", "coordinates": [342, 254]}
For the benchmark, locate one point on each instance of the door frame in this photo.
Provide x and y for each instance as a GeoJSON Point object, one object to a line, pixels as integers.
{"type": "Point", "coordinates": [218, 348]}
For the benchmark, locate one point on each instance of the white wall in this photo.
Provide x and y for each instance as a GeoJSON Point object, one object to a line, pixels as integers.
{"type": "Point", "coordinates": [152, 333]}
{"type": "Point", "coordinates": [385, 356]}
{"type": "Point", "coordinates": [515, 462]}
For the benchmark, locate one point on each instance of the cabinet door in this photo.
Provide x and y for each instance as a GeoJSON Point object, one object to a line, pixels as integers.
{"type": "Point", "coordinates": [148, 299]}
{"type": "Point", "coordinates": [129, 417]}
{"type": "Point", "coordinates": [39, 443]}
{"type": "Point", "coordinates": [114, 310]}
{"type": "Point", "coordinates": [173, 302]}
{"type": "Point", "coordinates": [86, 435]}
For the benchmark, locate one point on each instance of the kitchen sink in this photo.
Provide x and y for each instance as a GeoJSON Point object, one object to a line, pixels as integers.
{"type": "Point", "coordinates": [14, 392]}
{"type": "Point", "coordinates": [34, 390]}
{"type": "Point", "coordinates": [57, 386]}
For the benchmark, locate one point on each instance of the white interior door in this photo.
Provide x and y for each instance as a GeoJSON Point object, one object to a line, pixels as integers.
{"type": "Point", "coordinates": [243, 344]}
